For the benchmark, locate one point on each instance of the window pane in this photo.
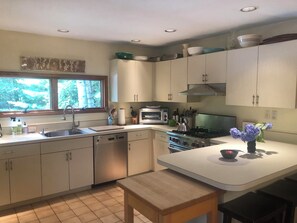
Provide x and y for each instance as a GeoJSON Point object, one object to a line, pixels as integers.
{"type": "Point", "coordinates": [19, 94]}
{"type": "Point", "coordinates": [80, 93]}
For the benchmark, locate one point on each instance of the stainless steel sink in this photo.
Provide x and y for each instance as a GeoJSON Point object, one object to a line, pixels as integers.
{"type": "Point", "coordinates": [65, 132]}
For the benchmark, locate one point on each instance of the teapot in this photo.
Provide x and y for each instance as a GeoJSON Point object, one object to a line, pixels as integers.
{"type": "Point", "coordinates": [183, 127]}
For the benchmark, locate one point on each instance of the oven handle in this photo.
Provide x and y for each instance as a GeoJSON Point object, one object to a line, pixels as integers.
{"type": "Point", "coordinates": [174, 149]}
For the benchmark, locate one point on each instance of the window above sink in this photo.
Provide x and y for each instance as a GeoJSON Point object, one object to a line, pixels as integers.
{"type": "Point", "coordinates": [40, 94]}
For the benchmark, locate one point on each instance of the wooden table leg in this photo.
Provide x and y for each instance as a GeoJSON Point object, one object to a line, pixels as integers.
{"type": "Point", "coordinates": [128, 210]}
{"type": "Point", "coordinates": [212, 216]}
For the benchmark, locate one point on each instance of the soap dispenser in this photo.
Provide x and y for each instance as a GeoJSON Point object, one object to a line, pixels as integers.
{"type": "Point", "coordinates": [1, 134]}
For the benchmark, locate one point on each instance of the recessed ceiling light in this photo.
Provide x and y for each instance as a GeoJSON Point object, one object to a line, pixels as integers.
{"type": "Point", "coordinates": [135, 40]}
{"type": "Point", "coordinates": [170, 30]}
{"type": "Point", "coordinates": [63, 30]}
{"type": "Point", "coordinates": [248, 9]}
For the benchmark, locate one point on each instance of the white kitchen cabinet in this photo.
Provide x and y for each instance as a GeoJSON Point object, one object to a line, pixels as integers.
{"type": "Point", "coordinates": [263, 76]}
{"type": "Point", "coordinates": [208, 68]}
{"type": "Point", "coordinates": [277, 74]}
{"type": "Point", "coordinates": [170, 79]}
{"type": "Point", "coordinates": [25, 178]}
{"type": "Point", "coordinates": [131, 81]}
{"type": "Point", "coordinates": [4, 185]}
{"type": "Point", "coordinates": [162, 81]}
{"type": "Point", "coordinates": [160, 147]}
{"type": "Point", "coordinates": [66, 164]}
{"type": "Point", "coordinates": [20, 173]}
{"type": "Point", "coordinates": [178, 80]}
{"type": "Point", "coordinates": [241, 84]}
{"type": "Point", "coordinates": [139, 152]}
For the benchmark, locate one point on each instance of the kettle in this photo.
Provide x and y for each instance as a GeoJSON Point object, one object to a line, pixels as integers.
{"type": "Point", "coordinates": [183, 127]}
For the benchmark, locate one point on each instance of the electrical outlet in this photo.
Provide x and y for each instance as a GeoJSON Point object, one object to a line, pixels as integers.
{"type": "Point", "coordinates": [274, 114]}
{"type": "Point", "coordinates": [267, 114]}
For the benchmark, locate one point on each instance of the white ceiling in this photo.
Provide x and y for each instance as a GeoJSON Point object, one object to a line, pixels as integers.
{"type": "Point", "coordinates": [123, 20]}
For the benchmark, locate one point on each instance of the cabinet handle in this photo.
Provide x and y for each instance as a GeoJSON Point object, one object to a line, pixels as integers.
{"type": "Point", "coordinates": [137, 97]}
{"type": "Point", "coordinates": [10, 162]}
{"type": "Point", "coordinates": [257, 99]}
{"type": "Point", "coordinates": [67, 156]}
{"type": "Point", "coordinates": [253, 100]}
{"type": "Point", "coordinates": [129, 146]}
{"type": "Point", "coordinates": [205, 78]}
{"type": "Point", "coordinates": [70, 156]}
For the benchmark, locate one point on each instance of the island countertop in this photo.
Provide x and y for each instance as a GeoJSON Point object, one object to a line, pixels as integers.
{"type": "Point", "coordinates": [271, 161]}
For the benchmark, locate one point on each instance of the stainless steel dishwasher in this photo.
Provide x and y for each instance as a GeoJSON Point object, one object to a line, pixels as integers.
{"type": "Point", "coordinates": [110, 157]}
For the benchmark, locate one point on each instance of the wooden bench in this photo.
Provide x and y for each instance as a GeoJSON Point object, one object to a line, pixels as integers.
{"type": "Point", "coordinates": [166, 196]}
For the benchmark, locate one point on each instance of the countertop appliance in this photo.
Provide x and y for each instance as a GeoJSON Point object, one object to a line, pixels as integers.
{"type": "Point", "coordinates": [153, 115]}
{"type": "Point", "coordinates": [209, 126]}
{"type": "Point", "coordinates": [110, 157]}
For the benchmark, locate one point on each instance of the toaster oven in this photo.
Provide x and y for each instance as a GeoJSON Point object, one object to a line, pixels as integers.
{"type": "Point", "coordinates": [153, 116]}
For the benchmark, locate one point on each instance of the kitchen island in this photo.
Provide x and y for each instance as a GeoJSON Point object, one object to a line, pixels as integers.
{"type": "Point", "coordinates": [247, 172]}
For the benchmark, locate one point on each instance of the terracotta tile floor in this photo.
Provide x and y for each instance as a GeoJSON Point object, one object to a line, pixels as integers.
{"type": "Point", "coordinates": [103, 204]}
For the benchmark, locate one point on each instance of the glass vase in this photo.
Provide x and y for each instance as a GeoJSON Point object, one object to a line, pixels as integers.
{"type": "Point", "coordinates": [251, 146]}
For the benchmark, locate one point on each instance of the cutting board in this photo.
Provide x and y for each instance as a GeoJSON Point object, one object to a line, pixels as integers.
{"type": "Point", "coordinates": [105, 128]}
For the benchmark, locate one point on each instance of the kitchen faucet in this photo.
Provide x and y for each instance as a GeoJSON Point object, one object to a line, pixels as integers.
{"type": "Point", "coordinates": [73, 116]}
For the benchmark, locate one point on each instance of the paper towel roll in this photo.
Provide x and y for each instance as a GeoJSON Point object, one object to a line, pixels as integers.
{"type": "Point", "coordinates": [121, 117]}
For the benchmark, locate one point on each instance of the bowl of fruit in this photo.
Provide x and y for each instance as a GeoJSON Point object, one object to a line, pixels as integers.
{"type": "Point", "coordinates": [229, 153]}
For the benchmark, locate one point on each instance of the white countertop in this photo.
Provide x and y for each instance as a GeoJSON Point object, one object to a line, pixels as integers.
{"type": "Point", "coordinates": [272, 160]}
{"type": "Point", "coordinates": [8, 140]}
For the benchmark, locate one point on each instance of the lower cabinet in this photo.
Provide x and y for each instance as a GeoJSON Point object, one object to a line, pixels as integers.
{"type": "Point", "coordinates": [160, 147]}
{"type": "Point", "coordinates": [139, 152]}
{"type": "Point", "coordinates": [20, 173]}
{"type": "Point", "coordinates": [66, 165]}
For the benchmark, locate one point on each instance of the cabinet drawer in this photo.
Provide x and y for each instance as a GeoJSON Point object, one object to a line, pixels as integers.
{"type": "Point", "coordinates": [8, 152]}
{"type": "Point", "coordinates": [161, 136]}
{"type": "Point", "coordinates": [137, 135]}
{"type": "Point", "coordinates": [68, 144]}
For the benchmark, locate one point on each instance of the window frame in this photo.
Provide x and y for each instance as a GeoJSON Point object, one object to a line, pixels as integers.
{"type": "Point", "coordinates": [53, 78]}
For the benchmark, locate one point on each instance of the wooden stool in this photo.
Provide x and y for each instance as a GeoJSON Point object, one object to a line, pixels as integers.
{"type": "Point", "coordinates": [168, 197]}
{"type": "Point", "coordinates": [287, 191]}
{"type": "Point", "coordinates": [253, 208]}
{"type": "Point", "coordinates": [292, 177]}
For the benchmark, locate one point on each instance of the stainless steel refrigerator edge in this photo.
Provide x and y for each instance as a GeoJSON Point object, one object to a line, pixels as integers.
{"type": "Point", "coordinates": [110, 157]}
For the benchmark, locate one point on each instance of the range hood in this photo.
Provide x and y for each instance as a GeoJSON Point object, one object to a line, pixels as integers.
{"type": "Point", "coordinates": [205, 90]}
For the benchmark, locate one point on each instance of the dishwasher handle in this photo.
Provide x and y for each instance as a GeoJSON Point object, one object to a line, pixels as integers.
{"type": "Point", "coordinates": [111, 138]}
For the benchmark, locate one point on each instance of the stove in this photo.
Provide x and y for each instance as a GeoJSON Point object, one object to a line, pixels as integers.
{"type": "Point", "coordinates": [211, 126]}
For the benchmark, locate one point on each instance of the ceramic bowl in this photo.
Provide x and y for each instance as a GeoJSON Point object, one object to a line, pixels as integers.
{"type": "Point", "coordinates": [195, 50]}
{"type": "Point", "coordinates": [229, 153]}
{"type": "Point", "coordinates": [249, 40]}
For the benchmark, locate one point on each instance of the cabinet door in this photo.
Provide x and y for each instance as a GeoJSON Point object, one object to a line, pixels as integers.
{"type": "Point", "coordinates": [196, 68]}
{"type": "Point", "coordinates": [179, 79]}
{"type": "Point", "coordinates": [81, 167]}
{"type": "Point", "coordinates": [55, 173]}
{"type": "Point", "coordinates": [139, 156]}
{"type": "Point", "coordinates": [160, 148]}
{"type": "Point", "coordinates": [25, 178]}
{"type": "Point", "coordinates": [162, 81]}
{"type": "Point", "coordinates": [4, 185]}
{"type": "Point", "coordinates": [242, 76]}
{"type": "Point", "coordinates": [216, 67]}
{"type": "Point", "coordinates": [127, 81]}
{"type": "Point", "coordinates": [277, 75]}
{"type": "Point", "coordinates": [144, 83]}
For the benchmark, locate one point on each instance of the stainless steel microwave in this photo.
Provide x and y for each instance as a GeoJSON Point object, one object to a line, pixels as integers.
{"type": "Point", "coordinates": [153, 116]}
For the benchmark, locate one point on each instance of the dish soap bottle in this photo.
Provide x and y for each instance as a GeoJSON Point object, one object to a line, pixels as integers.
{"type": "Point", "coordinates": [13, 126]}
{"type": "Point", "coordinates": [19, 127]}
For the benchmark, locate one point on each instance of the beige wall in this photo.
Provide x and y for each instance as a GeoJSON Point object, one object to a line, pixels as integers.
{"type": "Point", "coordinates": [97, 55]}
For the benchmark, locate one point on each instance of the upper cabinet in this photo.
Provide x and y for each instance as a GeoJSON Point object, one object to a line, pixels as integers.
{"type": "Point", "coordinates": [131, 81]}
{"type": "Point", "coordinates": [170, 79]}
{"type": "Point", "coordinates": [277, 70]}
{"type": "Point", "coordinates": [263, 76]}
{"type": "Point", "coordinates": [208, 68]}
{"type": "Point", "coordinates": [242, 76]}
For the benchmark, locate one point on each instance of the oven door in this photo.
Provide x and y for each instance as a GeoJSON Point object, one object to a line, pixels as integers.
{"type": "Point", "coordinates": [173, 148]}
